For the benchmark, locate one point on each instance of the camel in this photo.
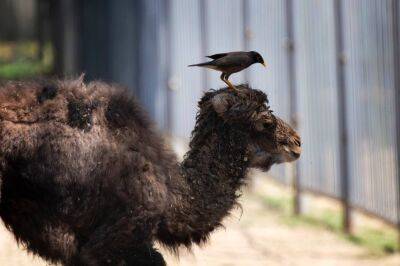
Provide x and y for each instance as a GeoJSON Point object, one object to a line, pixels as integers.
{"type": "Point", "coordinates": [86, 179]}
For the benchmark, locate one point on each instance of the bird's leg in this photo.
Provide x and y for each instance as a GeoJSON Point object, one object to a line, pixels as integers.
{"type": "Point", "coordinates": [224, 78]}
{"type": "Point", "coordinates": [229, 83]}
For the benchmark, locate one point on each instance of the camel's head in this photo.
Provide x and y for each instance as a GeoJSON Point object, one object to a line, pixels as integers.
{"type": "Point", "coordinates": [271, 139]}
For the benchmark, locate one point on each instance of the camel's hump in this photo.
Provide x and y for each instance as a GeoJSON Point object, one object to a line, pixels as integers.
{"type": "Point", "coordinates": [69, 102]}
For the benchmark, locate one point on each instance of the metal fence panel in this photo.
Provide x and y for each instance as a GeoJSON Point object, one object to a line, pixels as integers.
{"type": "Point", "coordinates": [316, 84]}
{"type": "Point", "coordinates": [186, 83]}
{"type": "Point", "coordinates": [396, 57]}
{"type": "Point", "coordinates": [152, 52]}
{"type": "Point", "coordinates": [94, 33]}
{"type": "Point", "coordinates": [368, 42]}
{"type": "Point", "coordinates": [123, 26]}
{"type": "Point", "coordinates": [266, 33]}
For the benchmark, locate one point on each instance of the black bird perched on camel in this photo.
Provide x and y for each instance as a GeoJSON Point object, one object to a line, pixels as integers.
{"type": "Point", "coordinates": [229, 63]}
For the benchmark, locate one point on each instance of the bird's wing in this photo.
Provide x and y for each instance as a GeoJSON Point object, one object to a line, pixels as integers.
{"type": "Point", "coordinates": [240, 60]}
{"type": "Point", "coordinates": [216, 56]}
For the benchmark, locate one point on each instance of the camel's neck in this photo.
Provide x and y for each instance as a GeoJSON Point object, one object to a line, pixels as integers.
{"type": "Point", "coordinates": [211, 173]}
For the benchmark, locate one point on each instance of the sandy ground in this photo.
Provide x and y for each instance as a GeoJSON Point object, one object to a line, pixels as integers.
{"type": "Point", "coordinates": [254, 237]}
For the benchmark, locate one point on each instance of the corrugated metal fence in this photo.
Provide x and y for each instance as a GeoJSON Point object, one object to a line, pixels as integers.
{"type": "Point", "coordinates": [360, 52]}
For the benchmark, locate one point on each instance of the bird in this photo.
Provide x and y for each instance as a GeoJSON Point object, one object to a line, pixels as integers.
{"type": "Point", "coordinates": [232, 62]}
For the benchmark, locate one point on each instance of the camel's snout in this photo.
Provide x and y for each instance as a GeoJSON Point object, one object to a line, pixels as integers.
{"type": "Point", "coordinates": [294, 148]}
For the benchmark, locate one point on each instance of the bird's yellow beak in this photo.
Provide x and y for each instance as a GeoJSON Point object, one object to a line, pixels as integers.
{"type": "Point", "coordinates": [264, 64]}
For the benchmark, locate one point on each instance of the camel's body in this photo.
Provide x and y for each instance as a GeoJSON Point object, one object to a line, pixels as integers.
{"type": "Point", "coordinates": [86, 180]}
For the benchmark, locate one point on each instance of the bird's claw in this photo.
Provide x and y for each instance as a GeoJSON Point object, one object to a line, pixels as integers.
{"type": "Point", "coordinates": [233, 88]}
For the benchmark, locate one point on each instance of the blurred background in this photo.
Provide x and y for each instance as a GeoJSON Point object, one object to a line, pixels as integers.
{"type": "Point", "coordinates": [333, 73]}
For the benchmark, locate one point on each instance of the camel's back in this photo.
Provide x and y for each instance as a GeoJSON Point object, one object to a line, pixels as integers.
{"type": "Point", "coordinates": [64, 109]}
{"type": "Point", "coordinates": [68, 133]}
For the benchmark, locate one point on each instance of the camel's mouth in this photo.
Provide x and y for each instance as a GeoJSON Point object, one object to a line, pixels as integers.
{"type": "Point", "coordinates": [263, 159]}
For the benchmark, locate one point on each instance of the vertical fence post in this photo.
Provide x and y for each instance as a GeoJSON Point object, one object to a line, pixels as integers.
{"type": "Point", "coordinates": [40, 26]}
{"type": "Point", "coordinates": [69, 11]}
{"type": "Point", "coordinates": [293, 98]}
{"type": "Point", "coordinates": [396, 58]}
{"type": "Point", "coordinates": [245, 14]}
{"type": "Point", "coordinates": [56, 36]}
{"type": "Point", "coordinates": [204, 39]}
{"type": "Point", "coordinates": [342, 116]}
{"type": "Point", "coordinates": [168, 50]}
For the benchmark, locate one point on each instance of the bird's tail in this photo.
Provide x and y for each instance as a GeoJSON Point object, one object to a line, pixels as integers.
{"type": "Point", "coordinates": [201, 64]}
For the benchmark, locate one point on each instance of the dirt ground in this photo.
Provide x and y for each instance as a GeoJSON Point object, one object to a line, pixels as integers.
{"type": "Point", "coordinates": [254, 237]}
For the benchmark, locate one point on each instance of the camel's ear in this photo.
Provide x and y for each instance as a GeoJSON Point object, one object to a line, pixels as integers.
{"type": "Point", "coordinates": [221, 102]}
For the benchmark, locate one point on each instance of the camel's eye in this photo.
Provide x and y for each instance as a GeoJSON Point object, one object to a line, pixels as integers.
{"type": "Point", "coordinates": [265, 120]}
{"type": "Point", "coordinates": [268, 125]}
{"type": "Point", "coordinates": [259, 126]}
{"type": "Point", "coordinates": [264, 125]}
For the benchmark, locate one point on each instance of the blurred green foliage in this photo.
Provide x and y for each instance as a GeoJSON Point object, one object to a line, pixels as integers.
{"type": "Point", "coordinates": [20, 60]}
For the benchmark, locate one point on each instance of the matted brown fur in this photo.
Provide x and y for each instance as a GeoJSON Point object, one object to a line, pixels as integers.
{"type": "Point", "coordinates": [86, 179]}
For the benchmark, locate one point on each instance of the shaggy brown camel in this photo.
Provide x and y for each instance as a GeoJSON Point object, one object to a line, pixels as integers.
{"type": "Point", "coordinates": [87, 180]}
